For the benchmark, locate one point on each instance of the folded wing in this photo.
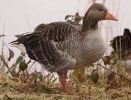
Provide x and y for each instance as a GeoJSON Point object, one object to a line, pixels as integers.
{"type": "Point", "coordinates": [40, 46]}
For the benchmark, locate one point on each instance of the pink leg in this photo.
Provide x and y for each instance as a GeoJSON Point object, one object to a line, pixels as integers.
{"type": "Point", "coordinates": [62, 79]}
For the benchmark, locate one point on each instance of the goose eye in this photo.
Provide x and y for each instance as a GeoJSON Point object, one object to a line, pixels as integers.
{"type": "Point", "coordinates": [100, 9]}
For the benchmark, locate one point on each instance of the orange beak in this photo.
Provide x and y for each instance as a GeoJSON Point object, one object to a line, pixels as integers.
{"type": "Point", "coordinates": [109, 16]}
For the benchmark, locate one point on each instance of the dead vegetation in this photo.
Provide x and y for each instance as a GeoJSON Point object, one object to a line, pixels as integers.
{"type": "Point", "coordinates": [105, 89]}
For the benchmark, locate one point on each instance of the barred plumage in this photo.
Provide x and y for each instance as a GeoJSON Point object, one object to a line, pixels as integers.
{"type": "Point", "coordinates": [61, 46]}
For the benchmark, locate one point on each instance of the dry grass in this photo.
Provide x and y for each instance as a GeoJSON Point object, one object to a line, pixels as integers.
{"type": "Point", "coordinates": [78, 91]}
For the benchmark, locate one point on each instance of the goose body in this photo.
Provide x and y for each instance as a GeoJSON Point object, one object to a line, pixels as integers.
{"type": "Point", "coordinates": [62, 46]}
{"type": "Point", "coordinates": [92, 48]}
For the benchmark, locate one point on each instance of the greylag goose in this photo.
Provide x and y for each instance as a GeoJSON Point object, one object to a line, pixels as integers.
{"type": "Point", "coordinates": [61, 46]}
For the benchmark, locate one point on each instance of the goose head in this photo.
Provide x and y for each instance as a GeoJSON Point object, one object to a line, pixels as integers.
{"type": "Point", "coordinates": [96, 13]}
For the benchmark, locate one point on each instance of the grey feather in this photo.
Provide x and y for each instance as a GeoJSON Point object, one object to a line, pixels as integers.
{"type": "Point", "coordinates": [61, 45]}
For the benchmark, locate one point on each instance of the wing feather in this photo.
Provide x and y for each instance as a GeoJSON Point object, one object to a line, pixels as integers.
{"type": "Point", "coordinates": [58, 31]}
{"type": "Point", "coordinates": [40, 46]}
